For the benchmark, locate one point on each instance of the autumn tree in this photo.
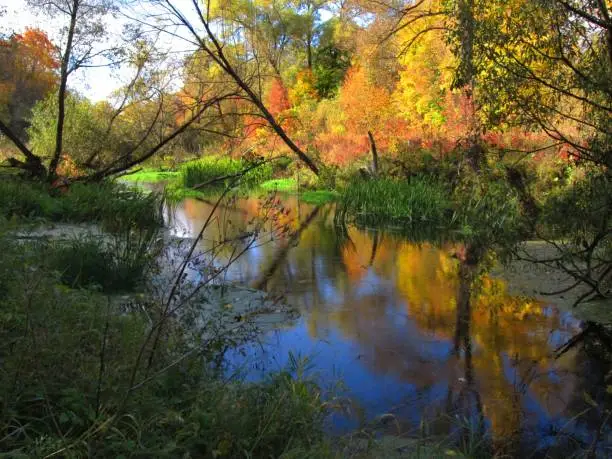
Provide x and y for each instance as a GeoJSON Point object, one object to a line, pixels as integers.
{"type": "Point", "coordinates": [148, 118]}
{"type": "Point", "coordinates": [278, 97]}
{"type": "Point", "coordinates": [331, 61]}
{"type": "Point", "coordinates": [28, 72]}
{"type": "Point", "coordinates": [232, 59]}
{"type": "Point", "coordinates": [554, 74]}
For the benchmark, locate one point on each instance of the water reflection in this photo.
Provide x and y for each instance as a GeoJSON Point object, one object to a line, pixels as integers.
{"type": "Point", "coordinates": [413, 331]}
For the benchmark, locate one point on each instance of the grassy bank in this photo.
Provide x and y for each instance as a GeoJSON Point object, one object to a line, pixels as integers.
{"type": "Point", "coordinates": [86, 374]}
{"type": "Point", "coordinates": [482, 211]}
{"type": "Point", "coordinates": [151, 176]}
{"type": "Point", "coordinates": [109, 204]}
{"type": "Point", "coordinates": [289, 186]}
{"type": "Point", "coordinates": [212, 174]}
{"type": "Point", "coordinates": [218, 172]}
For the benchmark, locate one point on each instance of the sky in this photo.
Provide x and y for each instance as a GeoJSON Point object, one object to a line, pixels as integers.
{"type": "Point", "coordinates": [95, 83]}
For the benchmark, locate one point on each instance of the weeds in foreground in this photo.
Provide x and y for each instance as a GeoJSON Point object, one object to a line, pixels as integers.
{"type": "Point", "coordinates": [114, 262]}
{"type": "Point", "coordinates": [85, 375]}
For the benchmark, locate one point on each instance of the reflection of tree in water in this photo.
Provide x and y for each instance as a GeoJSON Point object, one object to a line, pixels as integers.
{"type": "Point", "coordinates": [590, 359]}
{"type": "Point", "coordinates": [282, 252]}
{"type": "Point", "coordinates": [498, 364]}
{"type": "Point", "coordinates": [476, 358]}
{"type": "Point", "coordinates": [463, 406]}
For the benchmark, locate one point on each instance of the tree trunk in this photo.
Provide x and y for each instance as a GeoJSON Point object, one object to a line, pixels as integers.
{"type": "Point", "coordinates": [33, 165]}
{"type": "Point", "coordinates": [474, 153]}
{"type": "Point", "coordinates": [374, 153]}
{"type": "Point", "coordinates": [309, 51]}
{"type": "Point", "coordinates": [61, 112]}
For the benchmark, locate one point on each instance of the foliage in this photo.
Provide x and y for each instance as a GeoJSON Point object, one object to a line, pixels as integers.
{"type": "Point", "coordinates": [278, 97]}
{"type": "Point", "coordinates": [289, 186]}
{"type": "Point", "coordinates": [28, 74]}
{"type": "Point", "coordinates": [582, 242]}
{"type": "Point", "coordinates": [150, 176]}
{"type": "Point", "coordinates": [482, 210]}
{"type": "Point", "coordinates": [331, 61]}
{"type": "Point", "coordinates": [85, 130]}
{"type": "Point", "coordinates": [588, 199]}
{"type": "Point", "coordinates": [67, 359]}
{"type": "Point", "coordinates": [487, 212]}
{"type": "Point", "coordinates": [116, 262]}
{"type": "Point", "coordinates": [284, 185]}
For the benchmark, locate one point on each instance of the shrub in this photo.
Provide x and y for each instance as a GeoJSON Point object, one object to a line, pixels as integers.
{"type": "Point", "coordinates": [25, 199]}
{"type": "Point", "coordinates": [118, 262]}
{"type": "Point", "coordinates": [487, 213]}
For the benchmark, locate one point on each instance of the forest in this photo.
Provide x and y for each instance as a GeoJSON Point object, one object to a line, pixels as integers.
{"type": "Point", "coordinates": [305, 228]}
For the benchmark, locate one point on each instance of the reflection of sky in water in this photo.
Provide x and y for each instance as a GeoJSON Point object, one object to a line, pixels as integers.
{"type": "Point", "coordinates": [335, 359]}
{"type": "Point", "coordinates": [382, 318]}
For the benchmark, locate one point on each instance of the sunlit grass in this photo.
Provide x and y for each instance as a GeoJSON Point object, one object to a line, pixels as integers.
{"type": "Point", "coordinates": [151, 176]}
{"type": "Point", "coordinates": [218, 172]}
{"type": "Point", "coordinates": [284, 185]}
{"type": "Point", "coordinates": [290, 186]}
{"type": "Point", "coordinates": [387, 201]}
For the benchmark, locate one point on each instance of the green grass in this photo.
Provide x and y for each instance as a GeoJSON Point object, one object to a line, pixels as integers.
{"type": "Point", "coordinates": [283, 185]}
{"type": "Point", "coordinates": [114, 263]}
{"type": "Point", "coordinates": [319, 197]}
{"type": "Point", "coordinates": [419, 200]}
{"type": "Point", "coordinates": [211, 168]}
{"type": "Point", "coordinates": [110, 204]}
{"type": "Point", "coordinates": [200, 171]}
{"type": "Point", "coordinates": [151, 176]}
{"type": "Point", "coordinates": [289, 186]}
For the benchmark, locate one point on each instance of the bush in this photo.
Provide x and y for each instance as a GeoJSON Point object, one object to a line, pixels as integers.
{"type": "Point", "coordinates": [25, 199]}
{"type": "Point", "coordinates": [487, 212]}
{"type": "Point", "coordinates": [118, 262]}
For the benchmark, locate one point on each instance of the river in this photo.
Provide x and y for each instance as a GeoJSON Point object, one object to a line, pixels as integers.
{"type": "Point", "coordinates": [389, 324]}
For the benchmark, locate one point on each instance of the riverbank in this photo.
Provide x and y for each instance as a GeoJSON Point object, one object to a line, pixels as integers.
{"type": "Point", "coordinates": [525, 278]}
{"type": "Point", "coordinates": [92, 362]}
{"type": "Point", "coordinates": [185, 181]}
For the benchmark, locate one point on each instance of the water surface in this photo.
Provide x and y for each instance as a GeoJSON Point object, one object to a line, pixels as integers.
{"type": "Point", "coordinates": [393, 321]}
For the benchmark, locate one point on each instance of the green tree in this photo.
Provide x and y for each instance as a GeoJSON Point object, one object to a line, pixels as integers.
{"type": "Point", "coordinates": [331, 61]}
